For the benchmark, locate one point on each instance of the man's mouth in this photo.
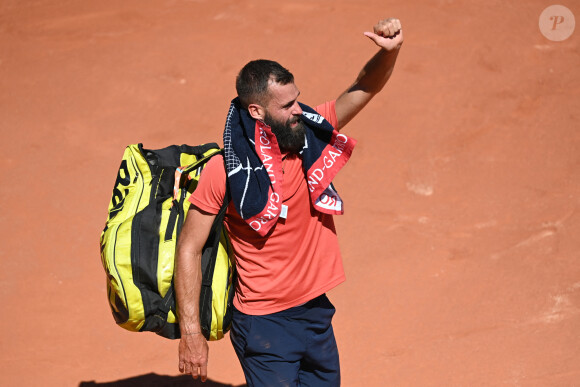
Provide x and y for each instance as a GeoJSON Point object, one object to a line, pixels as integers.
{"type": "Point", "coordinates": [294, 122]}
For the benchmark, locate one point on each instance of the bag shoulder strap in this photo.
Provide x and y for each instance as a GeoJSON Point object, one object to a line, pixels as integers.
{"type": "Point", "coordinates": [213, 240]}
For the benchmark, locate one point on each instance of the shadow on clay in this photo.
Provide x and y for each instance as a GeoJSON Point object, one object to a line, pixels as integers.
{"type": "Point", "coordinates": [154, 380]}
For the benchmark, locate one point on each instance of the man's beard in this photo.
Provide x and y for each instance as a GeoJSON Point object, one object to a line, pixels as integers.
{"type": "Point", "coordinates": [290, 140]}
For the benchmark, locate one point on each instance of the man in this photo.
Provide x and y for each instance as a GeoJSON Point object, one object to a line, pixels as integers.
{"type": "Point", "coordinates": [282, 231]}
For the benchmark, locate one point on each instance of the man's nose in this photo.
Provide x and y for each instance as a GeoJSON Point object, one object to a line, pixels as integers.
{"type": "Point", "coordinates": [296, 109]}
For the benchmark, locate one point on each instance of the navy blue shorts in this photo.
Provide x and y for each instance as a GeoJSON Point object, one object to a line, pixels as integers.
{"type": "Point", "coordinates": [294, 347]}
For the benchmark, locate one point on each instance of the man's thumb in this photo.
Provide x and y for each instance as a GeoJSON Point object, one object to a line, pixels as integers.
{"type": "Point", "coordinates": [372, 36]}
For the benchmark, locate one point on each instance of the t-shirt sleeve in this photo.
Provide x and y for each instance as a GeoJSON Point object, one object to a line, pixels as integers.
{"type": "Point", "coordinates": [210, 191]}
{"type": "Point", "coordinates": [328, 111]}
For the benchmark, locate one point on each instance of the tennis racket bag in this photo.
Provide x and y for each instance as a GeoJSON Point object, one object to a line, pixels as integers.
{"type": "Point", "coordinates": [146, 213]}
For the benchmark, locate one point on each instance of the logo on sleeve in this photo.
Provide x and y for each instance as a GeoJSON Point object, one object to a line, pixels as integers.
{"type": "Point", "coordinates": [313, 117]}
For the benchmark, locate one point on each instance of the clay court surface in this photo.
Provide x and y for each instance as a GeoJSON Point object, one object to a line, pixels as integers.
{"type": "Point", "coordinates": [461, 238]}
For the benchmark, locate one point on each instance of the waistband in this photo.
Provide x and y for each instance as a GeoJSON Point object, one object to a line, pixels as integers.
{"type": "Point", "coordinates": [320, 301]}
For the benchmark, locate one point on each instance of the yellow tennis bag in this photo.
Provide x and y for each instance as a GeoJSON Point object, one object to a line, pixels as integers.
{"type": "Point", "coordinates": [147, 210]}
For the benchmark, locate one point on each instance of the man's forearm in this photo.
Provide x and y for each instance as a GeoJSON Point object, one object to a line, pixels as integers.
{"type": "Point", "coordinates": [376, 72]}
{"type": "Point", "coordinates": [187, 287]}
{"type": "Point", "coordinates": [193, 349]}
{"type": "Point", "coordinates": [370, 80]}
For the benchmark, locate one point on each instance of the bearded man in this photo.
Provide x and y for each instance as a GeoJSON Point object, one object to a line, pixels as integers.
{"type": "Point", "coordinates": [280, 158]}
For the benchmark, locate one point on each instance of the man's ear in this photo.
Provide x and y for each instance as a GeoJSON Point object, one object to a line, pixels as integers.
{"type": "Point", "coordinates": [256, 111]}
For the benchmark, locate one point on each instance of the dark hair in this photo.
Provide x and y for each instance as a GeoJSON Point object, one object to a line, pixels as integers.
{"type": "Point", "coordinates": [252, 80]}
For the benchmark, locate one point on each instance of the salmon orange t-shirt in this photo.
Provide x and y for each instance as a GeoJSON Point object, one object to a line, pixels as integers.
{"type": "Point", "coordinates": [298, 260]}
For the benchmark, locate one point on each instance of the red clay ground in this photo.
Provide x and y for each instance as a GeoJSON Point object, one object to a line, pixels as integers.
{"type": "Point", "coordinates": [461, 237]}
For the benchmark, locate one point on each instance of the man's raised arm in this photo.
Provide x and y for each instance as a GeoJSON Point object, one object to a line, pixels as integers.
{"type": "Point", "coordinates": [193, 348]}
{"type": "Point", "coordinates": [388, 35]}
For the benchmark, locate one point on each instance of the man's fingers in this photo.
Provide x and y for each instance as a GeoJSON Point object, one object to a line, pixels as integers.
{"type": "Point", "coordinates": [196, 370]}
{"type": "Point", "coordinates": [384, 29]}
{"type": "Point", "coordinates": [193, 369]}
{"type": "Point", "coordinates": [387, 27]}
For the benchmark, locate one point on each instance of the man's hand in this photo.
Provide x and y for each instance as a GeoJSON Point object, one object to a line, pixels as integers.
{"type": "Point", "coordinates": [387, 34]}
{"type": "Point", "coordinates": [193, 354]}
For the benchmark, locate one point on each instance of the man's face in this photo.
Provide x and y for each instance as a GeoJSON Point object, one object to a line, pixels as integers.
{"type": "Point", "coordinates": [289, 134]}
{"type": "Point", "coordinates": [283, 115]}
